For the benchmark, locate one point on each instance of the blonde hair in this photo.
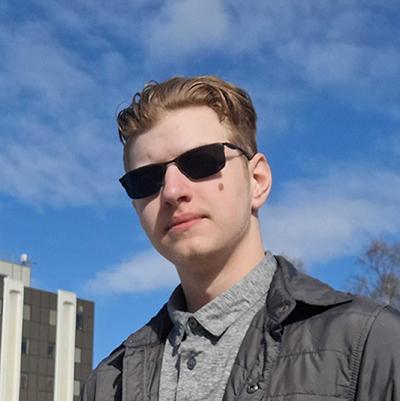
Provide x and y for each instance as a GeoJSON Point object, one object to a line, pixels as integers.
{"type": "Point", "coordinates": [231, 103]}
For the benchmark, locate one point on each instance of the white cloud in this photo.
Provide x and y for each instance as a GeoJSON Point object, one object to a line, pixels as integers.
{"type": "Point", "coordinates": [335, 45]}
{"type": "Point", "coordinates": [70, 165]}
{"type": "Point", "coordinates": [332, 216]}
{"type": "Point", "coordinates": [356, 67]}
{"type": "Point", "coordinates": [327, 63]}
{"type": "Point", "coordinates": [57, 177]}
{"type": "Point", "coordinates": [64, 72]}
{"type": "Point", "coordinates": [145, 271]}
{"type": "Point", "coordinates": [58, 146]}
{"type": "Point", "coordinates": [184, 27]}
{"type": "Point", "coordinates": [41, 69]}
{"type": "Point", "coordinates": [96, 21]}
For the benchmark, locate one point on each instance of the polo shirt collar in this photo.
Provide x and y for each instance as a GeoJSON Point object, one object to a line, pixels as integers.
{"type": "Point", "coordinates": [220, 313]}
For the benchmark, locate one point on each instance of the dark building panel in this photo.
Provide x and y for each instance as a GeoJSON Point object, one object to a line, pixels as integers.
{"type": "Point", "coordinates": [39, 343]}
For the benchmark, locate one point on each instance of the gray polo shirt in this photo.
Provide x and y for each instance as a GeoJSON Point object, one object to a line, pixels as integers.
{"type": "Point", "coordinates": [202, 346]}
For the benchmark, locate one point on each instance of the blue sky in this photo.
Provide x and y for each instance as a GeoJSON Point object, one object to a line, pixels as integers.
{"type": "Point", "coordinates": [325, 79]}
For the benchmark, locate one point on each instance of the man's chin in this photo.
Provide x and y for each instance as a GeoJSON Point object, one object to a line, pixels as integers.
{"type": "Point", "coordinates": [184, 254]}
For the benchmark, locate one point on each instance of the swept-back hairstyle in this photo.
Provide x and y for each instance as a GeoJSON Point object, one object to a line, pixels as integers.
{"type": "Point", "coordinates": [231, 103]}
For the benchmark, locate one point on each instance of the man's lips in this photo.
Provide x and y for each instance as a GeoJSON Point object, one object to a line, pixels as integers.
{"type": "Point", "coordinates": [183, 221]}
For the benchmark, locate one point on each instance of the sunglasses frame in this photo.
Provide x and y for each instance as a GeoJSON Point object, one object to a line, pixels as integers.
{"type": "Point", "coordinates": [125, 179]}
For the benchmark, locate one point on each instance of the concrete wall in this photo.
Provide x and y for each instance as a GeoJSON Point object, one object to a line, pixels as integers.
{"type": "Point", "coordinates": [16, 271]}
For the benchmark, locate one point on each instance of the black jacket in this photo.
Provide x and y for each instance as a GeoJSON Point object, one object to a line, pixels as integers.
{"type": "Point", "coordinates": [309, 343]}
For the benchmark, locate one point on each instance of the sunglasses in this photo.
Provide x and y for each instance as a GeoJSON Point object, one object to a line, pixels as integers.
{"type": "Point", "coordinates": [197, 163]}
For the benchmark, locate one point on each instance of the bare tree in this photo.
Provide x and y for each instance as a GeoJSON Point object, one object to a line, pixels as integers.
{"type": "Point", "coordinates": [381, 277]}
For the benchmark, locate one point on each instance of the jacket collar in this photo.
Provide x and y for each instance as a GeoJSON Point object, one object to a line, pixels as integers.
{"type": "Point", "coordinates": [154, 332]}
{"type": "Point", "coordinates": [290, 287]}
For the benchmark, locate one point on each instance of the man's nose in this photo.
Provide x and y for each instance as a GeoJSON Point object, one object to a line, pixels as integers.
{"type": "Point", "coordinates": [177, 187]}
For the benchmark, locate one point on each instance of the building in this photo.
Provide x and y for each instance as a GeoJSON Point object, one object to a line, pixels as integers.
{"type": "Point", "coordinates": [46, 339]}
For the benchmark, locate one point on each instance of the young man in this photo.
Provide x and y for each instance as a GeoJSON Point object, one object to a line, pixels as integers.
{"type": "Point", "coordinates": [243, 324]}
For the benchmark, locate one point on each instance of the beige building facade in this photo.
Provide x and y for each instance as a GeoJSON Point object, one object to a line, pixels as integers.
{"type": "Point", "coordinates": [46, 346]}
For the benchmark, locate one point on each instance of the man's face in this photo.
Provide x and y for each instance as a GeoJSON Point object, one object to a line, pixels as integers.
{"type": "Point", "coordinates": [189, 220]}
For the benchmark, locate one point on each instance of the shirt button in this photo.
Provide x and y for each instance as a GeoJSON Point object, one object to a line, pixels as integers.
{"type": "Point", "coordinates": [284, 308]}
{"type": "Point", "coordinates": [252, 388]}
{"type": "Point", "coordinates": [191, 363]}
{"type": "Point", "coordinates": [192, 323]}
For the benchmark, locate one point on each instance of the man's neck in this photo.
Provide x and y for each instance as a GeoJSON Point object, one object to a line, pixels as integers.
{"type": "Point", "coordinates": [206, 279]}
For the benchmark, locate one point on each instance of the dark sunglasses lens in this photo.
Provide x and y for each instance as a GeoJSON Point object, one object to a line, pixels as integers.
{"type": "Point", "coordinates": [197, 163]}
{"type": "Point", "coordinates": [203, 161]}
{"type": "Point", "coordinates": [144, 181]}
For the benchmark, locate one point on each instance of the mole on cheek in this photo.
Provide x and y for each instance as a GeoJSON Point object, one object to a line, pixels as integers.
{"type": "Point", "coordinates": [220, 186]}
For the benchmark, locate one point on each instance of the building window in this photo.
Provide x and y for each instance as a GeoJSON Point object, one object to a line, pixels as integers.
{"type": "Point", "coordinates": [79, 321]}
{"type": "Point", "coordinates": [24, 381]}
{"type": "Point", "coordinates": [77, 387]}
{"type": "Point", "coordinates": [51, 350]}
{"type": "Point", "coordinates": [53, 317]}
{"type": "Point", "coordinates": [78, 355]}
{"type": "Point", "coordinates": [27, 312]}
{"type": "Point", "coordinates": [25, 345]}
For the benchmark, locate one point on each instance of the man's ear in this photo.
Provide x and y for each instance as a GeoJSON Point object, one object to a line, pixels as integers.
{"type": "Point", "coordinates": [261, 180]}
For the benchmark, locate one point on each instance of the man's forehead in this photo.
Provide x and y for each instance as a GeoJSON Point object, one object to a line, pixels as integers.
{"type": "Point", "coordinates": [174, 133]}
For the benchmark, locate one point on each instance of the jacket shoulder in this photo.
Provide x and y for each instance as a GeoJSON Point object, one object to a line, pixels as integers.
{"type": "Point", "coordinates": [379, 377]}
{"type": "Point", "coordinates": [104, 383]}
{"type": "Point", "coordinates": [330, 333]}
